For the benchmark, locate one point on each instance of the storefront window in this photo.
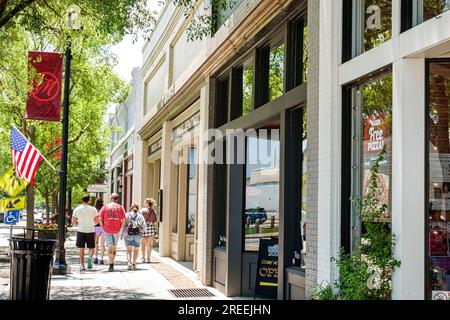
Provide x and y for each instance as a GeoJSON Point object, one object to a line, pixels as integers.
{"type": "Point", "coordinates": [192, 191]}
{"type": "Point", "coordinates": [248, 75]}
{"type": "Point", "coordinates": [276, 72]}
{"type": "Point", "coordinates": [433, 8]}
{"type": "Point", "coordinates": [369, 22]}
{"type": "Point", "coordinates": [438, 216]}
{"type": "Point", "coordinates": [262, 185]}
{"type": "Point", "coordinates": [305, 53]}
{"type": "Point", "coordinates": [372, 132]}
{"type": "Point", "coordinates": [304, 205]}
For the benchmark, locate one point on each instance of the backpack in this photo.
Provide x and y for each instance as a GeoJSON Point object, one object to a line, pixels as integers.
{"type": "Point", "coordinates": [133, 229]}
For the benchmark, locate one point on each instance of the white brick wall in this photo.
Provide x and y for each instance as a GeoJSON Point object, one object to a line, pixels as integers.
{"type": "Point", "coordinates": [313, 139]}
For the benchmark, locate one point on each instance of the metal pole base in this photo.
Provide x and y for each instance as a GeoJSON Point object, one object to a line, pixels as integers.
{"type": "Point", "coordinates": [61, 269]}
{"type": "Point", "coordinates": [60, 266]}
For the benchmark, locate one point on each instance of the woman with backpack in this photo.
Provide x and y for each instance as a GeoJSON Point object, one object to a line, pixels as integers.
{"type": "Point", "coordinates": [150, 217]}
{"type": "Point", "coordinates": [132, 234]}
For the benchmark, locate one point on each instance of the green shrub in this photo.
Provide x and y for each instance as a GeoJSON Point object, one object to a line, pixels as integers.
{"type": "Point", "coordinates": [366, 273]}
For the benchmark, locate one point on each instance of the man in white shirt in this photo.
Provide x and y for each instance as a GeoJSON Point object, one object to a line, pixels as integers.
{"type": "Point", "coordinates": [84, 215]}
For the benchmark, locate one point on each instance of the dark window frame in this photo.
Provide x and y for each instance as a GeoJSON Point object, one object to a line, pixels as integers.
{"type": "Point", "coordinates": [295, 52]}
{"type": "Point", "coordinates": [292, 186]}
{"type": "Point", "coordinates": [346, 155]}
{"type": "Point", "coordinates": [260, 52]}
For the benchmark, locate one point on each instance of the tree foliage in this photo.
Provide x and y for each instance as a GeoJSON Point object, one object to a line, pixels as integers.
{"type": "Point", "coordinates": [113, 17]}
{"type": "Point", "coordinates": [94, 85]}
{"type": "Point", "coordinates": [207, 20]}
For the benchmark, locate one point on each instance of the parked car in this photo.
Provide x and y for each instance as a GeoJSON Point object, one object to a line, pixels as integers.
{"type": "Point", "coordinates": [38, 218]}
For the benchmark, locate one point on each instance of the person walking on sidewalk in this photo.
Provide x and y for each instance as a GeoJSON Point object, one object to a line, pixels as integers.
{"type": "Point", "coordinates": [112, 221]}
{"type": "Point", "coordinates": [84, 215]}
{"type": "Point", "coordinates": [132, 234]}
{"type": "Point", "coordinates": [150, 217]}
{"type": "Point", "coordinates": [99, 238]}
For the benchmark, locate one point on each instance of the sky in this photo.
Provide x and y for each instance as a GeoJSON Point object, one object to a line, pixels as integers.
{"type": "Point", "coordinates": [129, 54]}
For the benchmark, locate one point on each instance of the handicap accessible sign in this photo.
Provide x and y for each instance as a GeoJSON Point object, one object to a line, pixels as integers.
{"type": "Point", "coordinates": [11, 217]}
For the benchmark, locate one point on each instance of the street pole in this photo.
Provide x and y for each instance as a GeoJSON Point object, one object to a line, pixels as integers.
{"type": "Point", "coordinates": [60, 265]}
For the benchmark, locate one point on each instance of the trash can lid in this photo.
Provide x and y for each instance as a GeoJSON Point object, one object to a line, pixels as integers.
{"type": "Point", "coordinates": [21, 239]}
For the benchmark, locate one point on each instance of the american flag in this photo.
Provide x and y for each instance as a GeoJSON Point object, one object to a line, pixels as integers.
{"type": "Point", "coordinates": [26, 158]}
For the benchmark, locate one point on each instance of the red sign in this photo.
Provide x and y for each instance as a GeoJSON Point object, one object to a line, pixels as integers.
{"type": "Point", "coordinates": [374, 135]}
{"type": "Point", "coordinates": [44, 97]}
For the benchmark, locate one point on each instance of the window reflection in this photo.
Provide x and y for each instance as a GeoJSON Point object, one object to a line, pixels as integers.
{"type": "Point", "coordinates": [439, 179]}
{"type": "Point", "coordinates": [433, 8]}
{"type": "Point", "coordinates": [276, 72]}
{"type": "Point", "coordinates": [372, 132]}
{"type": "Point", "coordinates": [305, 54]}
{"type": "Point", "coordinates": [304, 205]}
{"type": "Point", "coordinates": [247, 86]}
{"type": "Point", "coordinates": [377, 134]}
{"type": "Point", "coordinates": [262, 183]}
{"type": "Point", "coordinates": [377, 23]}
{"type": "Point", "coordinates": [192, 191]}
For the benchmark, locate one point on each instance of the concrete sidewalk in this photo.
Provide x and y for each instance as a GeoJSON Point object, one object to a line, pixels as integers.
{"type": "Point", "coordinates": [149, 281]}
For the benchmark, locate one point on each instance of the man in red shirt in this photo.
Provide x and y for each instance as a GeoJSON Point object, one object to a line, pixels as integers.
{"type": "Point", "coordinates": [112, 220]}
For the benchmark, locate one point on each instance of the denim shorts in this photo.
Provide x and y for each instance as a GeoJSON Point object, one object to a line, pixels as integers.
{"type": "Point", "coordinates": [133, 241]}
{"type": "Point", "coordinates": [98, 231]}
{"type": "Point", "coordinates": [111, 238]}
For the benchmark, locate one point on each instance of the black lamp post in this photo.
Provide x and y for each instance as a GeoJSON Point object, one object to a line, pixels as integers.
{"type": "Point", "coordinates": [60, 265]}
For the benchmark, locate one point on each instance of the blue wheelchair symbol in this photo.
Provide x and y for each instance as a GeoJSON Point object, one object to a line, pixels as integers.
{"type": "Point", "coordinates": [12, 217]}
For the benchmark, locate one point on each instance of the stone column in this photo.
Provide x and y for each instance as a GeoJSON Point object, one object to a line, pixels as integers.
{"type": "Point", "coordinates": [408, 180]}
{"type": "Point", "coordinates": [166, 166]}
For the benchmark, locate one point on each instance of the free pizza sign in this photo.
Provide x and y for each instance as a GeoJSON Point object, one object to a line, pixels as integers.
{"type": "Point", "coordinates": [45, 83]}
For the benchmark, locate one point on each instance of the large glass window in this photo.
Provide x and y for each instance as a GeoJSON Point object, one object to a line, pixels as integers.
{"type": "Point", "coordinates": [370, 24]}
{"type": "Point", "coordinates": [415, 12]}
{"type": "Point", "coordinates": [192, 191]}
{"type": "Point", "coordinates": [438, 216]}
{"type": "Point", "coordinates": [262, 186]}
{"type": "Point", "coordinates": [304, 188]}
{"type": "Point", "coordinates": [371, 132]}
{"type": "Point", "coordinates": [276, 71]}
{"type": "Point", "coordinates": [248, 76]}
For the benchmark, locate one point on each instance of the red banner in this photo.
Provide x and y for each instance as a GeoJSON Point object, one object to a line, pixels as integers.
{"type": "Point", "coordinates": [44, 98]}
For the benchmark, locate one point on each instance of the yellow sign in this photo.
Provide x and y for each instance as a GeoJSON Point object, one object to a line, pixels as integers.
{"type": "Point", "coordinates": [11, 204]}
{"type": "Point", "coordinates": [12, 183]}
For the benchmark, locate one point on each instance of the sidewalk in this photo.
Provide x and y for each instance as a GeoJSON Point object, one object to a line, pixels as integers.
{"type": "Point", "coordinates": [149, 281]}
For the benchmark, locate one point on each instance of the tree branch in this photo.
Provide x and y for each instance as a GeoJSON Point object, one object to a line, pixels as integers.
{"type": "Point", "coordinates": [52, 9]}
{"type": "Point", "coordinates": [15, 11]}
{"type": "Point", "coordinates": [75, 139]}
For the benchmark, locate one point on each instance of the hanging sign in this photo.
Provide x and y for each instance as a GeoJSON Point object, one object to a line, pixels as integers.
{"type": "Point", "coordinates": [267, 269]}
{"type": "Point", "coordinates": [44, 97]}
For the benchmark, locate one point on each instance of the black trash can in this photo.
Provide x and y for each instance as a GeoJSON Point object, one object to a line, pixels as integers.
{"type": "Point", "coordinates": [30, 273]}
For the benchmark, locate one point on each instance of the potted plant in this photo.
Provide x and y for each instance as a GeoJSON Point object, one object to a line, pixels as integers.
{"type": "Point", "coordinates": [47, 230]}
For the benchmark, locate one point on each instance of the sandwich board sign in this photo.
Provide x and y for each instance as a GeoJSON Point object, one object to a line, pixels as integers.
{"type": "Point", "coordinates": [267, 269]}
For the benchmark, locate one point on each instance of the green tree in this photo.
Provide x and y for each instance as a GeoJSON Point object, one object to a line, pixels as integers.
{"type": "Point", "coordinates": [93, 87]}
